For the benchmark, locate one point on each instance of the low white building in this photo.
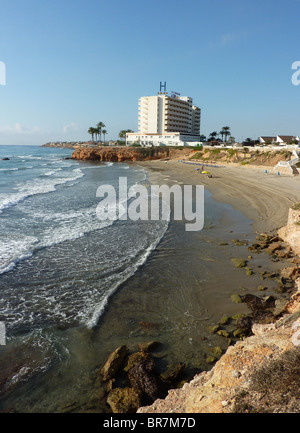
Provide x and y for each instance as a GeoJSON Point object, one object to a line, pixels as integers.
{"type": "Point", "coordinates": [164, 139]}
{"type": "Point", "coordinates": [165, 120]}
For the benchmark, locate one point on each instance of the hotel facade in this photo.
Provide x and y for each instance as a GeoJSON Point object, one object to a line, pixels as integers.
{"type": "Point", "coordinates": [165, 120]}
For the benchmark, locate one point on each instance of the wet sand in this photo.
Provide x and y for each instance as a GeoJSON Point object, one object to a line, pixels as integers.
{"type": "Point", "coordinates": [262, 197]}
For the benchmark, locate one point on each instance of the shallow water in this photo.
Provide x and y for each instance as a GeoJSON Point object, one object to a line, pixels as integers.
{"type": "Point", "coordinates": [73, 301]}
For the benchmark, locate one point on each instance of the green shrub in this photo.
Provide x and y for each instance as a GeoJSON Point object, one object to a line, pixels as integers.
{"type": "Point", "coordinates": [231, 152]}
{"type": "Point", "coordinates": [197, 155]}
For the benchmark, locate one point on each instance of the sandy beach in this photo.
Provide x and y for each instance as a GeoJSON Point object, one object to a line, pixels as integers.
{"type": "Point", "coordinates": [262, 197]}
{"type": "Point", "coordinates": [241, 381]}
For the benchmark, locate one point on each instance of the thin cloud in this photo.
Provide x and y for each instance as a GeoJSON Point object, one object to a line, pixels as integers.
{"type": "Point", "coordinates": [18, 129]}
{"type": "Point", "coordinates": [70, 127]}
{"type": "Point", "coordinates": [227, 38]}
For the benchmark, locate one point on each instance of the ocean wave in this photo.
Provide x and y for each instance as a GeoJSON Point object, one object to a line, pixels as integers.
{"type": "Point", "coordinates": [29, 157]}
{"type": "Point", "coordinates": [51, 172]}
{"type": "Point", "coordinates": [9, 169]}
{"type": "Point", "coordinates": [34, 187]}
{"type": "Point", "coordinates": [92, 321]}
{"type": "Point", "coordinates": [14, 250]}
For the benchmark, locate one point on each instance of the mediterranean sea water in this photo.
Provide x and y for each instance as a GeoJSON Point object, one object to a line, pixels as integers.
{"type": "Point", "coordinates": [73, 288]}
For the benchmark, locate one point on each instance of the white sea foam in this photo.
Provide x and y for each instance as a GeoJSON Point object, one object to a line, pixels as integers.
{"type": "Point", "coordinates": [34, 187]}
{"type": "Point", "coordinates": [99, 309]}
{"type": "Point", "coordinates": [62, 227]}
{"type": "Point", "coordinates": [15, 249]}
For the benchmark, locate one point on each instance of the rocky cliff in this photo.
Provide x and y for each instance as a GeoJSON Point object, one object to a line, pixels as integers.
{"type": "Point", "coordinates": [123, 154]}
{"type": "Point", "coordinates": [119, 154]}
{"type": "Point", "coordinates": [291, 232]}
{"type": "Point", "coordinates": [263, 157]}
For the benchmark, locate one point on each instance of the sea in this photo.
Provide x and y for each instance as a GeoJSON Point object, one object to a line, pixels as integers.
{"type": "Point", "coordinates": [74, 287]}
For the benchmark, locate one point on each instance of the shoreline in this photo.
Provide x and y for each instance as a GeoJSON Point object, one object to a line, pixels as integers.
{"type": "Point", "coordinates": [172, 172]}
{"type": "Point", "coordinates": [265, 199]}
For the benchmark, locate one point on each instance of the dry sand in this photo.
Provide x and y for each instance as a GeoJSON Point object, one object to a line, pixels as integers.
{"type": "Point", "coordinates": [263, 197]}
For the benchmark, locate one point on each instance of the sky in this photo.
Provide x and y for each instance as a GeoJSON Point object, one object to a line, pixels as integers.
{"type": "Point", "coordinates": [70, 64]}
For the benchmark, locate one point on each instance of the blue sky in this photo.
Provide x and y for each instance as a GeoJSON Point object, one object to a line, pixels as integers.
{"type": "Point", "coordinates": [73, 63]}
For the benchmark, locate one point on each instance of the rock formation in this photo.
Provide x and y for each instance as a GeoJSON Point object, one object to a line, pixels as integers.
{"type": "Point", "coordinates": [120, 154]}
{"type": "Point", "coordinates": [123, 154]}
{"type": "Point", "coordinates": [291, 232]}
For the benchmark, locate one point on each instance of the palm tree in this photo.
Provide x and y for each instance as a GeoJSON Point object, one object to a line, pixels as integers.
{"type": "Point", "coordinates": [123, 132]}
{"type": "Point", "coordinates": [226, 130]}
{"type": "Point", "coordinates": [100, 126]}
{"type": "Point", "coordinates": [104, 132]}
{"type": "Point", "coordinates": [92, 132]}
{"type": "Point", "coordinates": [213, 135]}
{"type": "Point", "coordinates": [222, 132]}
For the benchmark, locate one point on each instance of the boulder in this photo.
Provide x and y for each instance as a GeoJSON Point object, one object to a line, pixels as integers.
{"type": "Point", "coordinates": [136, 358]}
{"type": "Point", "coordinates": [273, 247]}
{"type": "Point", "coordinates": [124, 400]}
{"type": "Point", "coordinates": [239, 262]}
{"type": "Point", "coordinates": [143, 377]}
{"type": "Point", "coordinates": [217, 351]}
{"type": "Point", "coordinates": [291, 272]}
{"type": "Point", "coordinates": [237, 299]}
{"type": "Point", "coordinates": [148, 346]}
{"type": "Point", "coordinates": [114, 363]}
{"type": "Point", "coordinates": [173, 374]}
{"type": "Point", "coordinates": [256, 303]}
{"type": "Point", "coordinates": [291, 232]}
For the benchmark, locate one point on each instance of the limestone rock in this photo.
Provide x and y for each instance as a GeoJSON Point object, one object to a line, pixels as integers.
{"type": "Point", "coordinates": [239, 262]}
{"type": "Point", "coordinates": [114, 363]}
{"type": "Point", "coordinates": [124, 400]}
{"type": "Point", "coordinates": [291, 232]}
{"type": "Point", "coordinates": [143, 377]}
{"type": "Point", "coordinates": [119, 154]}
{"type": "Point", "coordinates": [148, 346]}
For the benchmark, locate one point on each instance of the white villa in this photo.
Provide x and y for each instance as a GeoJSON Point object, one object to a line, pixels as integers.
{"type": "Point", "coordinates": [279, 139]}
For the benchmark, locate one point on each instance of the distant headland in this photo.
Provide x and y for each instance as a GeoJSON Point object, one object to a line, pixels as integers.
{"type": "Point", "coordinates": [70, 144]}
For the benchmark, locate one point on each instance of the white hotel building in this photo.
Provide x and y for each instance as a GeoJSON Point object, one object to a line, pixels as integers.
{"type": "Point", "coordinates": [166, 121]}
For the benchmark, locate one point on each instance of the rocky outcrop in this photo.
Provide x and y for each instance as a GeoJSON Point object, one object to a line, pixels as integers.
{"type": "Point", "coordinates": [291, 232]}
{"type": "Point", "coordinates": [135, 380]}
{"type": "Point", "coordinates": [268, 158]}
{"type": "Point", "coordinates": [114, 363]}
{"type": "Point", "coordinates": [261, 372]}
{"type": "Point", "coordinates": [258, 374]}
{"type": "Point", "coordinates": [120, 154]}
{"type": "Point", "coordinates": [123, 154]}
